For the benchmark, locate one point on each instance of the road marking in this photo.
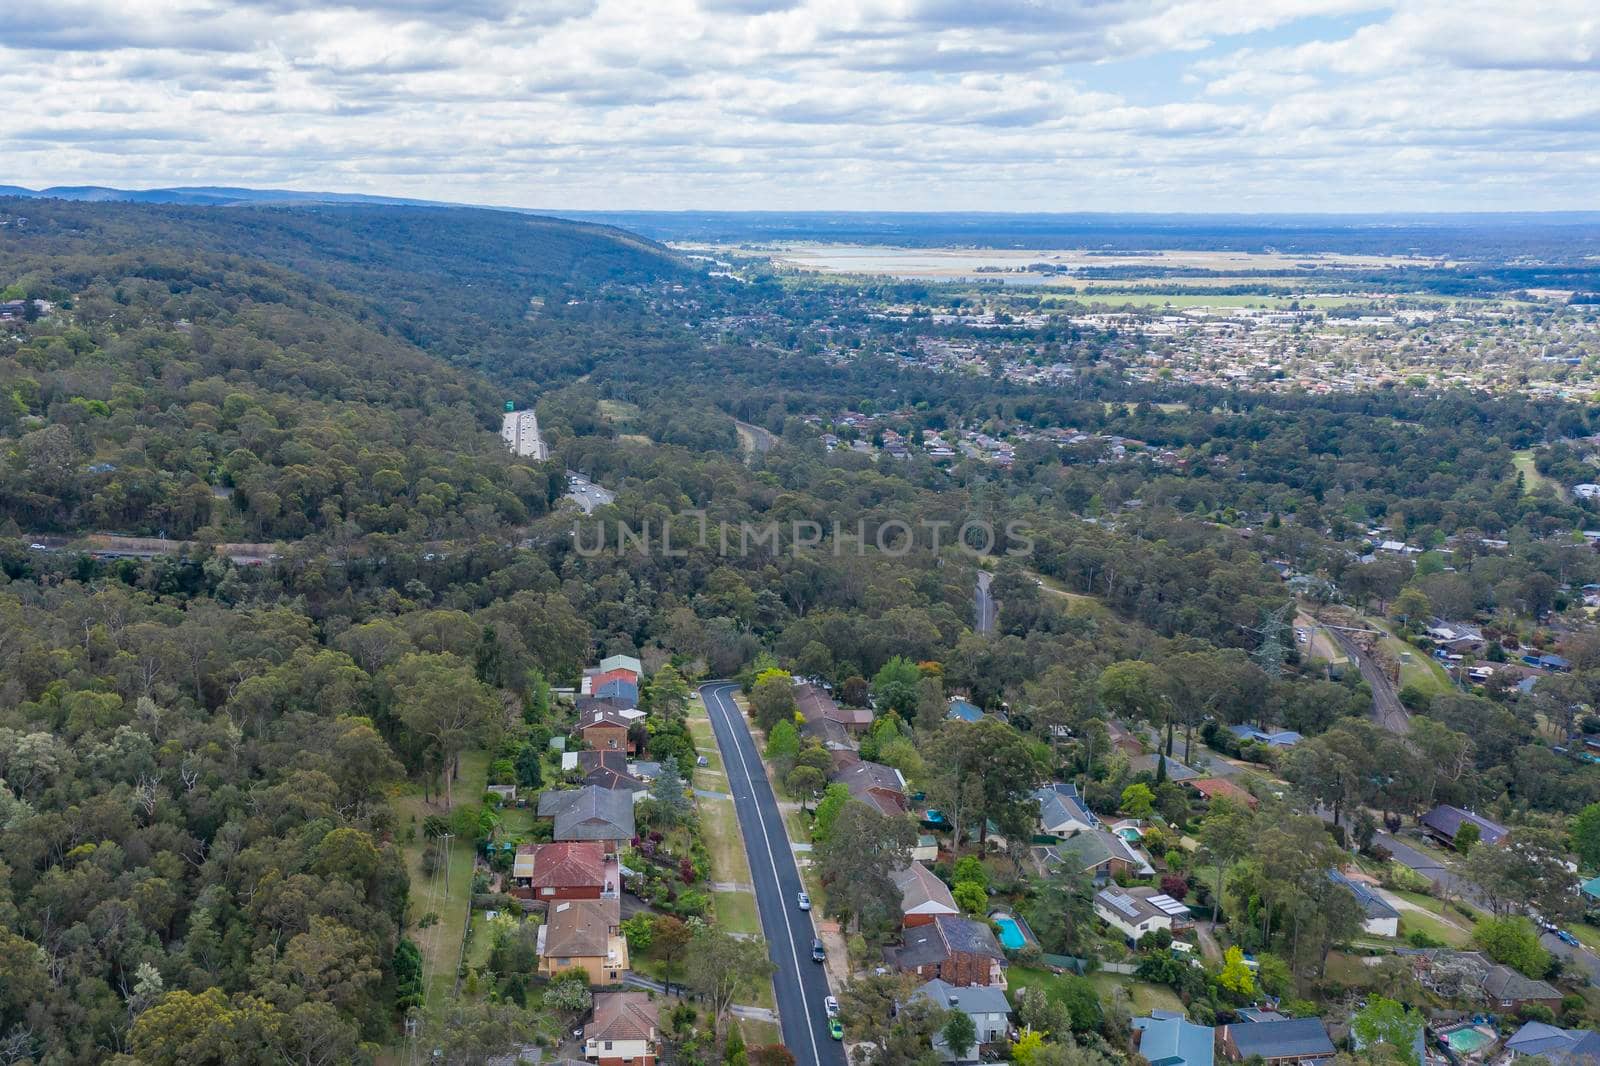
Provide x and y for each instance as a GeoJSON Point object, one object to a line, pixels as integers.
{"type": "Point", "coordinates": [766, 843]}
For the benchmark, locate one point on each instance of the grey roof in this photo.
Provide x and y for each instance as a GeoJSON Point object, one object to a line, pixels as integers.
{"type": "Point", "coordinates": [1093, 847]}
{"type": "Point", "coordinates": [1372, 904]}
{"type": "Point", "coordinates": [1060, 804]}
{"type": "Point", "coordinates": [1555, 1043]}
{"type": "Point", "coordinates": [589, 813]}
{"type": "Point", "coordinates": [1446, 820]}
{"type": "Point", "coordinates": [1502, 982]}
{"type": "Point", "coordinates": [973, 999]}
{"type": "Point", "coordinates": [1282, 1039]}
{"type": "Point", "coordinates": [939, 939]}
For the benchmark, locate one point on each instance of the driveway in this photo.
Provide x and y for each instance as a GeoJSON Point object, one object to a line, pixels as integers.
{"type": "Point", "coordinates": [799, 984]}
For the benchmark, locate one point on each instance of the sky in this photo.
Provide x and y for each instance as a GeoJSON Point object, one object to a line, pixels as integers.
{"type": "Point", "coordinates": [973, 105]}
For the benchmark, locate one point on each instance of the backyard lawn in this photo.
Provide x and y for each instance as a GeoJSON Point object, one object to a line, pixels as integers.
{"type": "Point", "coordinates": [446, 894]}
{"type": "Point", "coordinates": [1144, 997]}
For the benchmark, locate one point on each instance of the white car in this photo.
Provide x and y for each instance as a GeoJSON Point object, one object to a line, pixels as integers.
{"type": "Point", "coordinates": [831, 1005]}
{"type": "Point", "coordinates": [803, 901]}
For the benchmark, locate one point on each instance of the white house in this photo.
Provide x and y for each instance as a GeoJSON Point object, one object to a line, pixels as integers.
{"type": "Point", "coordinates": [1136, 911]}
{"type": "Point", "coordinates": [1378, 917]}
{"type": "Point", "coordinates": [986, 1005]}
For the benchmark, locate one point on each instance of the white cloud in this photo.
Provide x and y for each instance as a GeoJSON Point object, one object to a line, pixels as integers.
{"type": "Point", "coordinates": [1007, 104]}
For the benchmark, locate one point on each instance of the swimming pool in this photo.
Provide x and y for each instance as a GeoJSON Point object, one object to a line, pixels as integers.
{"type": "Point", "coordinates": [1130, 834]}
{"type": "Point", "coordinates": [1468, 1040]}
{"type": "Point", "coordinates": [1012, 937]}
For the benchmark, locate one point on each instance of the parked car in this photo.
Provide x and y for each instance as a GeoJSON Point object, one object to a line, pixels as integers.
{"type": "Point", "coordinates": [1566, 938]}
{"type": "Point", "coordinates": [818, 952]}
{"type": "Point", "coordinates": [831, 1005]}
{"type": "Point", "coordinates": [803, 901]}
{"type": "Point", "coordinates": [835, 1030]}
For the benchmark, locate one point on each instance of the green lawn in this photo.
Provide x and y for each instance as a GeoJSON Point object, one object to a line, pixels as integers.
{"type": "Point", "coordinates": [720, 826]}
{"type": "Point", "coordinates": [736, 912]}
{"type": "Point", "coordinates": [1418, 669]}
{"type": "Point", "coordinates": [1522, 463]}
{"type": "Point", "coordinates": [1146, 997]}
{"type": "Point", "coordinates": [448, 893]}
{"type": "Point", "coordinates": [759, 1034]}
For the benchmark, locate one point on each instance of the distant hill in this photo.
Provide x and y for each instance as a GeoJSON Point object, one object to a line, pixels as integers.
{"type": "Point", "coordinates": [208, 196]}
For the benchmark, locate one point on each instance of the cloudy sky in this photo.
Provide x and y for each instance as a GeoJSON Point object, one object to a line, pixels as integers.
{"type": "Point", "coordinates": [1252, 105]}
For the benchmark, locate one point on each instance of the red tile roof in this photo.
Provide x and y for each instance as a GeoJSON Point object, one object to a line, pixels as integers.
{"type": "Point", "coordinates": [569, 864]}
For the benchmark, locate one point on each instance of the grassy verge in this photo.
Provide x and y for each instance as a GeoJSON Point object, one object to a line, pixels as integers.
{"type": "Point", "coordinates": [720, 826]}
{"type": "Point", "coordinates": [1522, 463]}
{"type": "Point", "coordinates": [736, 912]}
{"type": "Point", "coordinates": [1418, 669]}
{"type": "Point", "coordinates": [446, 894]}
{"type": "Point", "coordinates": [758, 1034]}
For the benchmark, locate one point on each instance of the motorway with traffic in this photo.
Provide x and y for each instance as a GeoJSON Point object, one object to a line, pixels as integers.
{"type": "Point", "coordinates": [800, 985]}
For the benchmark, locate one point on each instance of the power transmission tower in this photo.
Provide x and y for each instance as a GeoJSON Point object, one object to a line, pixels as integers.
{"type": "Point", "coordinates": [1270, 653]}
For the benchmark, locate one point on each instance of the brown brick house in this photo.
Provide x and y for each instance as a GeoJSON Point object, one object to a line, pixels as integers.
{"type": "Point", "coordinates": [565, 870]}
{"type": "Point", "coordinates": [605, 729]}
{"type": "Point", "coordinates": [958, 951]}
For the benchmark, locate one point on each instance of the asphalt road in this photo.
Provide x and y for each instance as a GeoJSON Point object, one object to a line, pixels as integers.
{"type": "Point", "coordinates": [986, 607]}
{"type": "Point", "coordinates": [1578, 958]}
{"type": "Point", "coordinates": [799, 984]}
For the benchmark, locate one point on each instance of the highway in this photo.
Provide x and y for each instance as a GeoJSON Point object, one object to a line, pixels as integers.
{"type": "Point", "coordinates": [799, 984]}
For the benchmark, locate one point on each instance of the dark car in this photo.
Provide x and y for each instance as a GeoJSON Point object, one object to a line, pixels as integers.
{"type": "Point", "coordinates": [818, 952]}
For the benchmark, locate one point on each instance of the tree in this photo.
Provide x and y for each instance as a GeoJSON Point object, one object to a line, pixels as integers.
{"type": "Point", "coordinates": [1138, 801]}
{"type": "Point", "coordinates": [959, 1033]}
{"type": "Point", "coordinates": [1467, 836]}
{"type": "Point", "coordinates": [805, 782]}
{"type": "Point", "coordinates": [529, 767]}
{"type": "Point", "coordinates": [671, 793]}
{"type": "Point", "coordinates": [1585, 833]}
{"type": "Point", "coordinates": [667, 694]}
{"type": "Point", "coordinates": [1386, 1021]}
{"type": "Point", "coordinates": [1513, 940]}
{"type": "Point", "coordinates": [970, 897]}
{"type": "Point", "coordinates": [1131, 690]}
{"type": "Point", "coordinates": [834, 799]}
{"type": "Point", "coordinates": [858, 859]}
{"type": "Point", "coordinates": [772, 698]}
{"type": "Point", "coordinates": [1027, 1048]}
{"type": "Point", "coordinates": [721, 964]}
{"type": "Point", "coordinates": [1226, 836]}
{"type": "Point", "coordinates": [894, 687]}
{"type": "Point", "coordinates": [437, 697]}
{"type": "Point", "coordinates": [984, 772]}
{"type": "Point", "coordinates": [1528, 869]}
{"type": "Point", "coordinates": [1236, 976]}
{"type": "Point", "coordinates": [783, 743]}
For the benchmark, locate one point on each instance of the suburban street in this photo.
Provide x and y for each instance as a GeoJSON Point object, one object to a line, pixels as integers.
{"type": "Point", "coordinates": [800, 984]}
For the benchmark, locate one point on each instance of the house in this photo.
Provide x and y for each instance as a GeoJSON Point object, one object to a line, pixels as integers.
{"type": "Point", "coordinates": [619, 688]}
{"type": "Point", "coordinates": [987, 1006]}
{"type": "Point", "coordinates": [1124, 739]}
{"type": "Point", "coordinates": [1061, 810]}
{"type": "Point", "coordinates": [604, 729]}
{"type": "Point", "coordinates": [874, 783]}
{"type": "Point", "coordinates": [624, 1032]}
{"type": "Point", "coordinates": [1211, 788]}
{"type": "Point", "coordinates": [1560, 1046]}
{"type": "Point", "coordinates": [584, 934]}
{"type": "Point", "coordinates": [1591, 892]}
{"type": "Point", "coordinates": [622, 707]}
{"type": "Point", "coordinates": [1444, 822]}
{"type": "Point", "coordinates": [605, 769]}
{"type": "Point", "coordinates": [956, 950]}
{"type": "Point", "coordinates": [1282, 738]}
{"type": "Point", "coordinates": [1166, 1038]}
{"type": "Point", "coordinates": [1133, 912]}
{"type": "Point", "coordinates": [964, 710]}
{"type": "Point", "coordinates": [1288, 1040]}
{"type": "Point", "coordinates": [622, 662]}
{"type": "Point", "coordinates": [565, 870]}
{"type": "Point", "coordinates": [1150, 764]}
{"type": "Point", "coordinates": [1379, 918]}
{"type": "Point", "coordinates": [1509, 990]}
{"type": "Point", "coordinates": [590, 813]}
{"type": "Point", "coordinates": [1098, 853]}
{"type": "Point", "coordinates": [817, 707]}
{"type": "Point", "coordinates": [923, 897]}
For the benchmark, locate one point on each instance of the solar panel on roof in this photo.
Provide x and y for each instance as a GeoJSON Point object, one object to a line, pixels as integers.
{"type": "Point", "coordinates": [1168, 905]}
{"type": "Point", "coordinates": [1125, 904]}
